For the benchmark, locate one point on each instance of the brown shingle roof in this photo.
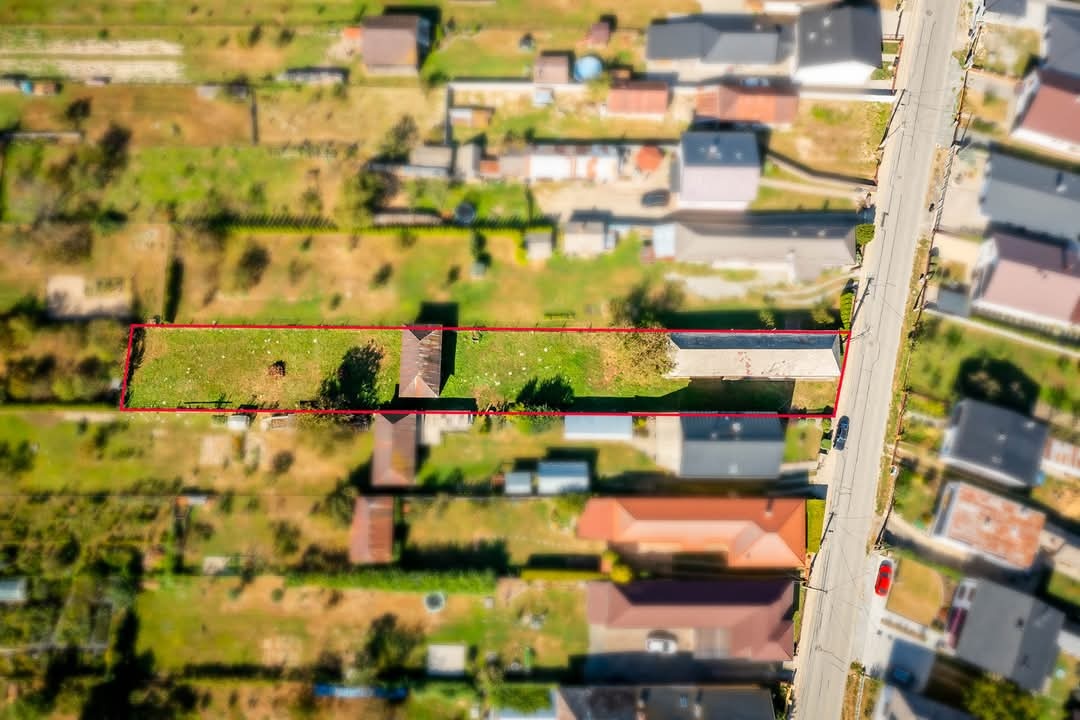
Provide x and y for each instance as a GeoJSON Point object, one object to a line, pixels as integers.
{"type": "Point", "coordinates": [393, 462]}
{"type": "Point", "coordinates": [638, 97]}
{"type": "Point", "coordinates": [552, 68]}
{"type": "Point", "coordinates": [371, 539]}
{"type": "Point", "coordinates": [751, 532]}
{"type": "Point", "coordinates": [599, 34]}
{"type": "Point", "coordinates": [391, 40]}
{"type": "Point", "coordinates": [990, 523]}
{"type": "Point", "coordinates": [756, 614]}
{"type": "Point", "coordinates": [1054, 107]}
{"type": "Point", "coordinates": [1025, 265]}
{"type": "Point", "coordinates": [733, 103]}
{"type": "Point", "coordinates": [420, 375]}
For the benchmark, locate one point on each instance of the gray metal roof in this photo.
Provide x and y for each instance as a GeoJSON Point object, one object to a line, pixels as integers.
{"type": "Point", "coordinates": [896, 704]}
{"type": "Point", "coordinates": [720, 149]}
{"type": "Point", "coordinates": [598, 427]}
{"type": "Point", "coordinates": [1063, 40]}
{"type": "Point", "coordinates": [1013, 8]}
{"type": "Point", "coordinates": [518, 483]}
{"type": "Point", "coordinates": [718, 39]}
{"type": "Point", "coordinates": [839, 33]}
{"type": "Point", "coordinates": [1038, 198]}
{"type": "Point", "coordinates": [669, 702]}
{"type": "Point", "coordinates": [731, 448]}
{"type": "Point", "coordinates": [1012, 634]}
{"type": "Point", "coordinates": [561, 476]}
{"type": "Point", "coordinates": [992, 441]}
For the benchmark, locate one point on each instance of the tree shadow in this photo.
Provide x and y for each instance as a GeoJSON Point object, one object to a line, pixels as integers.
{"type": "Point", "coordinates": [353, 386]}
{"type": "Point", "coordinates": [554, 393]}
{"type": "Point", "coordinates": [997, 381]}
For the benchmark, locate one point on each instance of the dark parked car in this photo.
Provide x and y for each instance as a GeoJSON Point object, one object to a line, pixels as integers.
{"type": "Point", "coordinates": [656, 198]}
{"type": "Point", "coordinates": [840, 436]}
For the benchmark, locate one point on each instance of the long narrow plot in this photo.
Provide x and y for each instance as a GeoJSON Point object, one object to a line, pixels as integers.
{"type": "Point", "coordinates": [360, 370]}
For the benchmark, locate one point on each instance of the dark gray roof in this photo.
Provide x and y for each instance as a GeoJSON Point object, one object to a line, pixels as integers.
{"type": "Point", "coordinates": [994, 441]}
{"type": "Point", "coordinates": [731, 448]}
{"type": "Point", "coordinates": [1063, 40]}
{"type": "Point", "coordinates": [896, 704]}
{"type": "Point", "coordinates": [1014, 8]}
{"type": "Point", "coordinates": [1012, 634]}
{"type": "Point", "coordinates": [718, 39]}
{"type": "Point", "coordinates": [839, 33]}
{"type": "Point", "coordinates": [1035, 197]}
{"type": "Point", "coordinates": [667, 703]}
{"type": "Point", "coordinates": [753, 341]}
{"type": "Point", "coordinates": [736, 148]}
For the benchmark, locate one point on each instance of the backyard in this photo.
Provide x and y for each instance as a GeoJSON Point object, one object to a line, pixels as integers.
{"type": "Point", "coordinates": [835, 137]}
{"type": "Point", "coordinates": [1007, 50]}
{"type": "Point", "coordinates": [918, 593]}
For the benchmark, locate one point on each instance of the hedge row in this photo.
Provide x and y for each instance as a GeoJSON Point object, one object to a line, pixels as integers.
{"type": "Point", "coordinates": [475, 582]}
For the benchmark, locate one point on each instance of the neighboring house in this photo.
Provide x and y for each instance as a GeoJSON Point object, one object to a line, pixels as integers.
{"type": "Point", "coordinates": [768, 355]}
{"type": "Point", "coordinates": [800, 246]}
{"type": "Point", "coordinates": [434, 425]}
{"type": "Point", "coordinates": [519, 482]}
{"type": "Point", "coordinates": [420, 373]}
{"type": "Point", "coordinates": [586, 235]}
{"type": "Point", "coordinates": [395, 44]}
{"type": "Point", "coordinates": [1041, 199]}
{"type": "Point", "coordinates": [717, 170]}
{"type": "Point", "coordinates": [1002, 530]}
{"type": "Point", "coordinates": [721, 448]}
{"type": "Point", "coordinates": [425, 161]}
{"type": "Point", "coordinates": [556, 477]}
{"type": "Point", "coordinates": [603, 428]}
{"type": "Point", "coordinates": [539, 245]}
{"type": "Point", "coordinates": [770, 106]}
{"type": "Point", "coordinates": [838, 44]}
{"type": "Point", "coordinates": [994, 443]}
{"type": "Point", "coordinates": [552, 69]}
{"type": "Point", "coordinates": [1061, 458]}
{"type": "Point", "coordinates": [315, 75]}
{"type": "Point", "coordinates": [1046, 112]}
{"type": "Point", "coordinates": [467, 161]}
{"type": "Point", "coordinates": [447, 660]}
{"type": "Point", "coordinates": [749, 533]}
{"type": "Point", "coordinates": [741, 619]}
{"type": "Point", "coordinates": [646, 99]}
{"type": "Point", "coordinates": [598, 35]}
{"type": "Point", "coordinates": [669, 702]}
{"type": "Point", "coordinates": [1062, 40]}
{"type": "Point", "coordinates": [13, 590]}
{"type": "Point", "coordinates": [371, 538]}
{"type": "Point", "coordinates": [896, 704]}
{"type": "Point", "coordinates": [1010, 267]}
{"type": "Point", "coordinates": [535, 163]}
{"type": "Point", "coordinates": [703, 46]}
{"type": "Point", "coordinates": [393, 461]}
{"type": "Point", "coordinates": [1004, 631]}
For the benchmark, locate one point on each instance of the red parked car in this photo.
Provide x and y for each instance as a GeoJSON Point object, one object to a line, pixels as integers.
{"type": "Point", "coordinates": [884, 578]}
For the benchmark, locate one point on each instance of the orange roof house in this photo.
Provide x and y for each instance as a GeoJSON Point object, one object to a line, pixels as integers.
{"type": "Point", "coordinates": [738, 104]}
{"type": "Point", "coordinates": [648, 158]}
{"type": "Point", "coordinates": [420, 375]}
{"type": "Point", "coordinates": [393, 462]}
{"type": "Point", "coordinates": [638, 97]}
{"type": "Point", "coordinates": [750, 532]}
{"type": "Point", "coordinates": [371, 539]}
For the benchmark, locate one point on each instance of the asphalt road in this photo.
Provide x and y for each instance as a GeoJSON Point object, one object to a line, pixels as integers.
{"type": "Point", "coordinates": [840, 588]}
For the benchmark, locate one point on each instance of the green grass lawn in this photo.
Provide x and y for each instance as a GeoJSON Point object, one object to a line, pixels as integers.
{"type": "Point", "coordinates": [915, 496]}
{"type": "Point", "coordinates": [802, 441]}
{"type": "Point", "coordinates": [815, 524]}
{"type": "Point", "coordinates": [1064, 588]}
{"type": "Point", "coordinates": [769, 198]}
{"type": "Point", "coordinates": [953, 361]}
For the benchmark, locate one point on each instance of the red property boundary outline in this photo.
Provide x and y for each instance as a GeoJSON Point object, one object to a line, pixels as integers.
{"type": "Point", "coordinates": [845, 336]}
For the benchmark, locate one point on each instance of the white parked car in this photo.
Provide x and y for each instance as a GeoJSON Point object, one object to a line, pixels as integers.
{"type": "Point", "coordinates": [661, 645]}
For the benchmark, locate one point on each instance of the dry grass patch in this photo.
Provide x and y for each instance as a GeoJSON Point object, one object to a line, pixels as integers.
{"type": "Point", "coordinates": [837, 137]}
{"type": "Point", "coordinates": [918, 592]}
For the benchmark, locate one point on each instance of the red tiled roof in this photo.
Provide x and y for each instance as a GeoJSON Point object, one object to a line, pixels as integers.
{"type": "Point", "coordinates": [391, 40]}
{"type": "Point", "coordinates": [648, 158]}
{"type": "Point", "coordinates": [751, 532]}
{"type": "Point", "coordinates": [371, 539]}
{"type": "Point", "coordinates": [393, 462]}
{"type": "Point", "coordinates": [552, 68]}
{"type": "Point", "coordinates": [756, 614]}
{"type": "Point", "coordinates": [638, 97]}
{"type": "Point", "coordinates": [352, 33]}
{"type": "Point", "coordinates": [420, 374]}
{"type": "Point", "coordinates": [599, 33]}
{"type": "Point", "coordinates": [733, 103]}
{"type": "Point", "coordinates": [1055, 107]}
{"type": "Point", "coordinates": [992, 524]}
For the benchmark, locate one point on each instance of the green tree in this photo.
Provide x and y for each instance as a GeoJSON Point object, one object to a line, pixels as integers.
{"type": "Point", "coordinates": [361, 196]}
{"type": "Point", "coordinates": [387, 647]}
{"type": "Point", "coordinates": [998, 699]}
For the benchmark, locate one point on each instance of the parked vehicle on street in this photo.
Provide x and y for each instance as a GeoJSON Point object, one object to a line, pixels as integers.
{"type": "Point", "coordinates": [661, 644]}
{"type": "Point", "coordinates": [656, 198]}
{"type": "Point", "coordinates": [884, 578]}
{"type": "Point", "coordinates": [840, 436]}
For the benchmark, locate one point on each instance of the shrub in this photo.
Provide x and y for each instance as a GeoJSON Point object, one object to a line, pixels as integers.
{"type": "Point", "coordinates": [847, 305]}
{"type": "Point", "coordinates": [621, 574]}
{"type": "Point", "coordinates": [864, 234]}
{"type": "Point", "coordinates": [472, 582]}
{"type": "Point", "coordinates": [524, 698]}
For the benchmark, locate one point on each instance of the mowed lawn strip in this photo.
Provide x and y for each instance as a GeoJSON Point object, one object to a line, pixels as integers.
{"type": "Point", "coordinates": [918, 592]}
{"type": "Point", "coordinates": [189, 365]}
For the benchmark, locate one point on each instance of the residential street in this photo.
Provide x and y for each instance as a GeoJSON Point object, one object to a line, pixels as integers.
{"type": "Point", "coordinates": [837, 605]}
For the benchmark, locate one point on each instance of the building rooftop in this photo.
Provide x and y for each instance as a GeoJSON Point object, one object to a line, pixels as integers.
{"type": "Point", "coordinates": [994, 442]}
{"type": "Point", "coordinates": [839, 33]}
{"type": "Point", "coordinates": [740, 104]}
{"type": "Point", "coordinates": [1062, 40]}
{"type": "Point", "coordinates": [989, 523]}
{"type": "Point", "coordinates": [669, 702]}
{"type": "Point", "coordinates": [420, 374]}
{"type": "Point", "coordinates": [1036, 197]}
{"type": "Point", "coordinates": [552, 68]}
{"type": "Point", "coordinates": [1024, 263]}
{"type": "Point", "coordinates": [756, 355]}
{"type": "Point", "coordinates": [393, 461]}
{"type": "Point", "coordinates": [371, 538]}
{"type": "Point", "coordinates": [638, 97]}
{"type": "Point", "coordinates": [729, 448]}
{"type": "Point", "coordinates": [717, 39]}
{"type": "Point", "coordinates": [1053, 107]}
{"type": "Point", "coordinates": [391, 40]}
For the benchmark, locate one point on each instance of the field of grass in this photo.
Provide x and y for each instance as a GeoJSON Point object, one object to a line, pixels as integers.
{"type": "Point", "coordinates": [952, 361]}
{"type": "Point", "coordinates": [769, 198]}
{"type": "Point", "coordinates": [815, 524]}
{"type": "Point", "coordinates": [1007, 50]}
{"type": "Point", "coordinates": [1064, 588]}
{"type": "Point", "coordinates": [918, 592]}
{"type": "Point", "coordinates": [915, 495]}
{"type": "Point", "coordinates": [1061, 494]}
{"type": "Point", "coordinates": [837, 137]}
{"type": "Point", "coordinates": [802, 441]}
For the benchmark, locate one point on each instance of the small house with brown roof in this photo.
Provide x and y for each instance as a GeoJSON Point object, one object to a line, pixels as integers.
{"type": "Point", "coordinates": [598, 35]}
{"type": "Point", "coordinates": [420, 374]}
{"type": "Point", "coordinates": [746, 532]}
{"type": "Point", "coordinates": [1046, 113]}
{"type": "Point", "coordinates": [393, 461]}
{"type": "Point", "coordinates": [552, 68]}
{"type": "Point", "coordinates": [976, 520]}
{"type": "Point", "coordinates": [638, 98]}
{"type": "Point", "coordinates": [767, 106]}
{"type": "Point", "coordinates": [395, 44]}
{"type": "Point", "coordinates": [371, 538]}
{"type": "Point", "coordinates": [710, 620]}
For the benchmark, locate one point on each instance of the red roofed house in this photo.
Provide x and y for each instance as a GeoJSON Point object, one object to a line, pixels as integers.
{"type": "Point", "coordinates": [420, 374]}
{"type": "Point", "coordinates": [599, 34]}
{"type": "Point", "coordinates": [552, 68]}
{"type": "Point", "coordinates": [638, 98]}
{"type": "Point", "coordinates": [1047, 111]}
{"type": "Point", "coordinates": [1028, 282]}
{"type": "Point", "coordinates": [371, 539]}
{"type": "Point", "coordinates": [395, 44]}
{"type": "Point", "coordinates": [748, 532]}
{"type": "Point", "coordinates": [393, 461]}
{"type": "Point", "coordinates": [977, 520]}
{"type": "Point", "coordinates": [771, 106]}
{"type": "Point", "coordinates": [711, 620]}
